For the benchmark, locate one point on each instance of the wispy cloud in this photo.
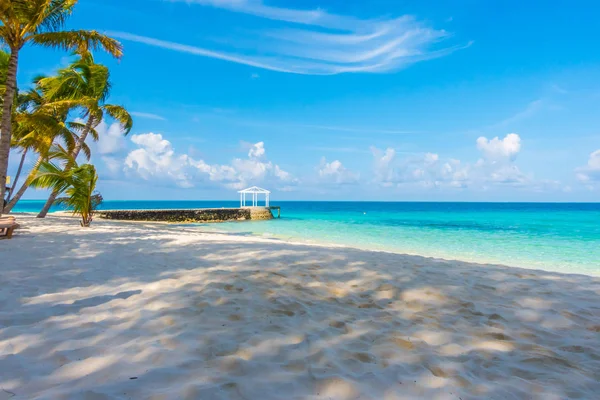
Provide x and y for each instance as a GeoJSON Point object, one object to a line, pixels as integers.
{"type": "Point", "coordinates": [314, 42]}
{"type": "Point", "coordinates": [556, 88]}
{"type": "Point", "coordinates": [532, 108]}
{"type": "Point", "coordinates": [147, 115]}
{"type": "Point", "coordinates": [336, 149]}
{"type": "Point", "coordinates": [357, 130]}
{"type": "Point", "coordinates": [257, 8]}
{"type": "Point", "coordinates": [195, 50]}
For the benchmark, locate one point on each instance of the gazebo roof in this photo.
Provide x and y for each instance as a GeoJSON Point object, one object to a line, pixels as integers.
{"type": "Point", "coordinates": [254, 189]}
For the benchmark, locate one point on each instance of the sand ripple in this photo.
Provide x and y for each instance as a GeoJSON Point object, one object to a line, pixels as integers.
{"type": "Point", "coordinates": [144, 312]}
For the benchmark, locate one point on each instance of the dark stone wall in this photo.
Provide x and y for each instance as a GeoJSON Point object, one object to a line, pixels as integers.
{"type": "Point", "coordinates": [198, 215]}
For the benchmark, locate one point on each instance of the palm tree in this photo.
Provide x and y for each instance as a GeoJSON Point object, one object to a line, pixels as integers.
{"type": "Point", "coordinates": [38, 22]}
{"type": "Point", "coordinates": [83, 86]}
{"type": "Point", "coordinates": [78, 182]}
{"type": "Point", "coordinates": [4, 60]}
{"type": "Point", "coordinates": [36, 129]}
{"type": "Point", "coordinates": [25, 125]}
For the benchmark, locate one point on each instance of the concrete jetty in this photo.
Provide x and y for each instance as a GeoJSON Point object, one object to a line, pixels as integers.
{"type": "Point", "coordinates": [193, 215]}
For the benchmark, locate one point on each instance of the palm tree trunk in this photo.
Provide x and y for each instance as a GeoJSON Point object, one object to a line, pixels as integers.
{"type": "Point", "coordinates": [5, 125]}
{"type": "Point", "coordinates": [74, 154]}
{"type": "Point", "coordinates": [11, 204]}
{"type": "Point", "coordinates": [18, 175]}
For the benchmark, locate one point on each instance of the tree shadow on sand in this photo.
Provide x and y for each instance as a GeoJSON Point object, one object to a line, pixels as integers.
{"type": "Point", "coordinates": [216, 318]}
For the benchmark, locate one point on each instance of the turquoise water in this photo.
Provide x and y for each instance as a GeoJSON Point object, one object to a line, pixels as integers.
{"type": "Point", "coordinates": [558, 236]}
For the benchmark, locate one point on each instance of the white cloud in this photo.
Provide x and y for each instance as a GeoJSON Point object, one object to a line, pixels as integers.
{"type": "Point", "coordinates": [335, 172]}
{"type": "Point", "coordinates": [496, 148]}
{"type": "Point", "coordinates": [431, 158]}
{"type": "Point", "coordinates": [281, 174]}
{"type": "Point", "coordinates": [110, 148]}
{"type": "Point", "coordinates": [155, 159]}
{"type": "Point", "coordinates": [315, 41]}
{"type": "Point", "coordinates": [153, 142]}
{"type": "Point", "coordinates": [507, 174]}
{"type": "Point", "coordinates": [383, 169]}
{"type": "Point", "coordinates": [591, 172]}
{"type": "Point", "coordinates": [113, 164]}
{"type": "Point", "coordinates": [110, 138]}
{"type": "Point", "coordinates": [257, 150]}
{"type": "Point", "coordinates": [496, 167]}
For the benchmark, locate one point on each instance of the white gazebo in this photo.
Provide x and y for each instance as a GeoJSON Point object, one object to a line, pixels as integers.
{"type": "Point", "coordinates": [254, 191]}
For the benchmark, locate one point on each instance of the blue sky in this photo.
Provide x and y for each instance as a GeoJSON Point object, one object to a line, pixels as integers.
{"type": "Point", "coordinates": [378, 100]}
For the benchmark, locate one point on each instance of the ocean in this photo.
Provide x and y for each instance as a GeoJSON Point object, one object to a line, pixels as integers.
{"type": "Point", "coordinates": [562, 237]}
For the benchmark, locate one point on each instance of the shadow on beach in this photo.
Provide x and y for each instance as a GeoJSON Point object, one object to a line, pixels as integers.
{"type": "Point", "coordinates": [144, 311]}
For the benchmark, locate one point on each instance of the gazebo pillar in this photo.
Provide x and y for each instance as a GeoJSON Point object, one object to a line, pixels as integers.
{"type": "Point", "coordinates": [255, 192]}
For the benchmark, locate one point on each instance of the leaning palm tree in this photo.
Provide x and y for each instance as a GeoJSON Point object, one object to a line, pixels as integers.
{"type": "Point", "coordinates": [27, 124]}
{"type": "Point", "coordinates": [78, 183]}
{"type": "Point", "coordinates": [83, 86]}
{"type": "Point", "coordinates": [39, 138]}
{"type": "Point", "coordinates": [38, 22]}
{"type": "Point", "coordinates": [36, 129]}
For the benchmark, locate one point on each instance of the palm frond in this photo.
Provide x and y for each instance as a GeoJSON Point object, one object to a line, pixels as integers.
{"type": "Point", "coordinates": [5, 35]}
{"type": "Point", "coordinates": [81, 196]}
{"type": "Point", "coordinates": [76, 126]}
{"type": "Point", "coordinates": [4, 59]}
{"type": "Point", "coordinates": [98, 80]}
{"type": "Point", "coordinates": [94, 133]}
{"type": "Point", "coordinates": [87, 152]}
{"type": "Point", "coordinates": [121, 115]}
{"type": "Point", "coordinates": [80, 41]}
{"type": "Point", "coordinates": [85, 104]}
{"type": "Point", "coordinates": [53, 15]}
{"type": "Point", "coordinates": [58, 152]}
{"type": "Point", "coordinates": [80, 127]}
{"type": "Point", "coordinates": [51, 176]}
{"type": "Point", "coordinates": [69, 83]}
{"type": "Point", "coordinates": [9, 14]}
{"type": "Point", "coordinates": [31, 99]}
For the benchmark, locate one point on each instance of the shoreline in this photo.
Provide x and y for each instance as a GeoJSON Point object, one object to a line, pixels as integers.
{"type": "Point", "coordinates": [146, 310]}
{"type": "Point", "coordinates": [546, 236]}
{"type": "Point", "coordinates": [449, 258]}
{"type": "Point", "coordinates": [212, 225]}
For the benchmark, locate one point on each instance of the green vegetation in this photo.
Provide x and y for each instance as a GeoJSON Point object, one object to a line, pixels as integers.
{"type": "Point", "coordinates": [77, 182]}
{"type": "Point", "coordinates": [58, 113]}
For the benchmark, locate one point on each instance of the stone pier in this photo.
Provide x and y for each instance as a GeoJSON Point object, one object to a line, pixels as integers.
{"type": "Point", "coordinates": [191, 216]}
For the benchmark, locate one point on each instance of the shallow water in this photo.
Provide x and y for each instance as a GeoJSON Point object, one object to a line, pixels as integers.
{"type": "Point", "coordinates": [553, 236]}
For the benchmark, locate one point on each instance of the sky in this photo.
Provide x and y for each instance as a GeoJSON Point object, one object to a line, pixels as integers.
{"type": "Point", "coordinates": [385, 100]}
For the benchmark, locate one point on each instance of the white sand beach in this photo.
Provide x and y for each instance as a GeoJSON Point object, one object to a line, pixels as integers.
{"type": "Point", "coordinates": [148, 311]}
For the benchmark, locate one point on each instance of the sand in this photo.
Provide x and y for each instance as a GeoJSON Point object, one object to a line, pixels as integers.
{"type": "Point", "coordinates": [142, 311]}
